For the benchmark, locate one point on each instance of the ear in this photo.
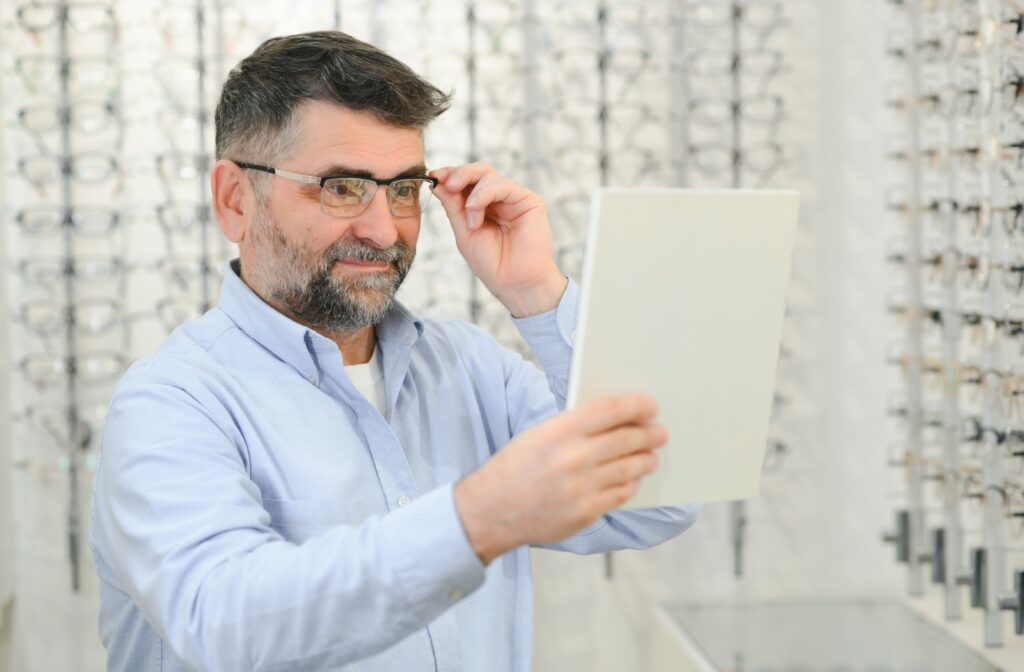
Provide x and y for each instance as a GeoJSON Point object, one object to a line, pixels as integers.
{"type": "Point", "coordinates": [234, 202]}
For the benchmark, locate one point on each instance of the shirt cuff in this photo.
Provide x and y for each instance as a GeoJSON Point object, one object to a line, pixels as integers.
{"type": "Point", "coordinates": [433, 561]}
{"type": "Point", "coordinates": [550, 335]}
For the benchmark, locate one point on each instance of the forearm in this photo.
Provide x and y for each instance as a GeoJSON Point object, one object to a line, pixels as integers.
{"type": "Point", "coordinates": [632, 529]}
{"type": "Point", "coordinates": [550, 337]}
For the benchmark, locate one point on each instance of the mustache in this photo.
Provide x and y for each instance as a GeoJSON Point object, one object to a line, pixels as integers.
{"type": "Point", "coordinates": [357, 251]}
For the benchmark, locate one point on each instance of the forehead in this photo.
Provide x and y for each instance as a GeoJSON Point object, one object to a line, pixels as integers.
{"type": "Point", "coordinates": [331, 135]}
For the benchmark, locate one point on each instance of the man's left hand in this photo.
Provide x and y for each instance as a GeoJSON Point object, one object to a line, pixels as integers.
{"type": "Point", "coordinates": [502, 230]}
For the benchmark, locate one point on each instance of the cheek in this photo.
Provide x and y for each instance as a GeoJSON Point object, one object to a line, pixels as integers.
{"type": "Point", "coordinates": [409, 232]}
{"type": "Point", "coordinates": [306, 225]}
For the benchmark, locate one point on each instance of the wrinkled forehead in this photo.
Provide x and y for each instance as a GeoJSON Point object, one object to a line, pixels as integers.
{"type": "Point", "coordinates": [332, 136]}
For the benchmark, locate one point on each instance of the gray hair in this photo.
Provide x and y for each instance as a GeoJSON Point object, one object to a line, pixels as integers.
{"type": "Point", "coordinates": [256, 120]}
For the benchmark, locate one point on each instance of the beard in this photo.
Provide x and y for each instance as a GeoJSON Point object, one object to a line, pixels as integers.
{"type": "Point", "coordinates": [304, 285]}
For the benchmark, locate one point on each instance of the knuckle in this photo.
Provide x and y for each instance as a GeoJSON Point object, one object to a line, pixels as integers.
{"type": "Point", "coordinates": [570, 462]}
{"type": "Point", "coordinates": [572, 491]}
{"type": "Point", "coordinates": [614, 405]}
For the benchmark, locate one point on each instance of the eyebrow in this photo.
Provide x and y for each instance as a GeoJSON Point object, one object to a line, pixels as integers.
{"type": "Point", "coordinates": [338, 170]}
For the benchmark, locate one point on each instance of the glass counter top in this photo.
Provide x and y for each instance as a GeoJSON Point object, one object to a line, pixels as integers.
{"type": "Point", "coordinates": [840, 636]}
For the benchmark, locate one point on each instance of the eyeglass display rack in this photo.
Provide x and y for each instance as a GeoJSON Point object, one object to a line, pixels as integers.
{"type": "Point", "coordinates": [66, 364]}
{"type": "Point", "coordinates": [960, 304]}
{"type": "Point", "coordinates": [538, 164]}
{"type": "Point", "coordinates": [208, 68]}
{"type": "Point", "coordinates": [472, 141]}
{"type": "Point", "coordinates": [74, 446]}
{"type": "Point", "coordinates": [602, 142]}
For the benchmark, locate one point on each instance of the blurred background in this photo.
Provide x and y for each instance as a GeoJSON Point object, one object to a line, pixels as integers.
{"type": "Point", "coordinates": [888, 535]}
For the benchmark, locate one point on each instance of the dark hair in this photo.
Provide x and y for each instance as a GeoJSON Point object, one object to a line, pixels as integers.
{"type": "Point", "coordinates": [256, 113]}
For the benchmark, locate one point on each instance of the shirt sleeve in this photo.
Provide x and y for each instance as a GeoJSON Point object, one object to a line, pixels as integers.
{"type": "Point", "coordinates": [182, 526]}
{"type": "Point", "coordinates": [550, 336]}
{"type": "Point", "coordinates": [533, 397]}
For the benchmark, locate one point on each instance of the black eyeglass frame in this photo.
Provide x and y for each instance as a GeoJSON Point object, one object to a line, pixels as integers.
{"type": "Point", "coordinates": [321, 181]}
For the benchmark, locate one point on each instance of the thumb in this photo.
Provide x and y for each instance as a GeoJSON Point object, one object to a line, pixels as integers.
{"type": "Point", "coordinates": [454, 205]}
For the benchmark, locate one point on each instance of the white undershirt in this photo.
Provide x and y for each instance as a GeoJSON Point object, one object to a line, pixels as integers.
{"type": "Point", "coordinates": [369, 379]}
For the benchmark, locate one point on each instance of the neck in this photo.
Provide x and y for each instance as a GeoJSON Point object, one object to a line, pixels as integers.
{"type": "Point", "coordinates": [356, 346]}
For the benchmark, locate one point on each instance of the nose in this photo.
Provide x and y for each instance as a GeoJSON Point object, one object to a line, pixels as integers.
{"type": "Point", "coordinates": [376, 225]}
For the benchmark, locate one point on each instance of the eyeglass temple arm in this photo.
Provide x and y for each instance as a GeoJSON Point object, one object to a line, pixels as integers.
{"type": "Point", "coordinates": [298, 177]}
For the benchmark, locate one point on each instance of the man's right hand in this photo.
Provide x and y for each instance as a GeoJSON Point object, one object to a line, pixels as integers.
{"type": "Point", "coordinates": [561, 475]}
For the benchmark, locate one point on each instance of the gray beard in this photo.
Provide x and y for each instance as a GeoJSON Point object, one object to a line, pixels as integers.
{"type": "Point", "coordinates": [312, 296]}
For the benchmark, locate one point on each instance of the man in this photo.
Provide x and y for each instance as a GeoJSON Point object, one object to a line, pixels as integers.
{"type": "Point", "coordinates": [309, 476]}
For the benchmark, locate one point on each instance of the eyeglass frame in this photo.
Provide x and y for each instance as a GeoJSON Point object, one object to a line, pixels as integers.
{"type": "Point", "coordinates": [321, 181]}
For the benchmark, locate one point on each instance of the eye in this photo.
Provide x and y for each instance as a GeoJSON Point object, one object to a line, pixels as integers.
{"type": "Point", "coordinates": [338, 188]}
{"type": "Point", "coordinates": [404, 190]}
{"type": "Point", "coordinates": [349, 190]}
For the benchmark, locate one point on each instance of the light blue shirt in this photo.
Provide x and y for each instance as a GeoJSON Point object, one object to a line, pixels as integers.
{"type": "Point", "coordinates": [253, 511]}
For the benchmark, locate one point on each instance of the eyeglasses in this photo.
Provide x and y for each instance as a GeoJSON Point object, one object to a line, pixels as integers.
{"type": "Point", "coordinates": [49, 271]}
{"type": "Point", "coordinates": [56, 421]}
{"type": "Point", "coordinates": [762, 64]}
{"type": "Point", "coordinates": [342, 196]}
{"type": "Point", "coordinates": [83, 116]}
{"type": "Point", "coordinates": [757, 15]}
{"type": "Point", "coordinates": [762, 158]}
{"type": "Point", "coordinates": [43, 73]}
{"type": "Point", "coordinates": [89, 221]}
{"type": "Point", "coordinates": [47, 370]}
{"type": "Point", "coordinates": [759, 109]}
{"type": "Point", "coordinates": [181, 219]}
{"type": "Point", "coordinates": [175, 311]}
{"type": "Point", "coordinates": [178, 24]}
{"type": "Point", "coordinates": [88, 316]}
{"type": "Point", "coordinates": [36, 17]}
{"type": "Point", "coordinates": [43, 170]}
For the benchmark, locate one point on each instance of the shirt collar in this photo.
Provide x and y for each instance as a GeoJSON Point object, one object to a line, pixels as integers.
{"type": "Point", "coordinates": [294, 343]}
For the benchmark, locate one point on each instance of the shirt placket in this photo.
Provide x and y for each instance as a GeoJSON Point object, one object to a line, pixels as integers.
{"type": "Point", "coordinates": [398, 484]}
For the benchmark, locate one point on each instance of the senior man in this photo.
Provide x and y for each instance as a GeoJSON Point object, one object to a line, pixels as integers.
{"type": "Point", "coordinates": [309, 476]}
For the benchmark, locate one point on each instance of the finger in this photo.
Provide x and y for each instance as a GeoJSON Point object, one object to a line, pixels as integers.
{"type": "Point", "coordinates": [599, 415]}
{"type": "Point", "coordinates": [455, 210]}
{"type": "Point", "coordinates": [465, 175]}
{"type": "Point", "coordinates": [625, 440]}
{"type": "Point", "coordinates": [489, 190]}
{"type": "Point", "coordinates": [440, 173]}
{"type": "Point", "coordinates": [618, 472]}
{"type": "Point", "coordinates": [616, 496]}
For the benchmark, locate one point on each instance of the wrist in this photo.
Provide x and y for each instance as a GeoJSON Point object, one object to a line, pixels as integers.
{"type": "Point", "coordinates": [540, 298]}
{"type": "Point", "coordinates": [482, 529]}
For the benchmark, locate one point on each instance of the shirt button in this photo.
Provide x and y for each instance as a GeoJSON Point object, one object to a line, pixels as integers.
{"type": "Point", "coordinates": [312, 379]}
{"type": "Point", "coordinates": [454, 594]}
{"type": "Point", "coordinates": [403, 500]}
{"type": "Point", "coordinates": [572, 336]}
